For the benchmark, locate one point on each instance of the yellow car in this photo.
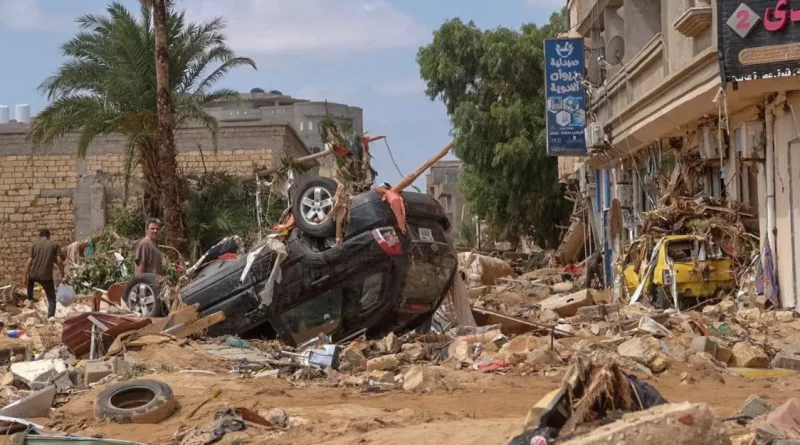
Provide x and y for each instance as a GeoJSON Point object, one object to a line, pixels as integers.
{"type": "Point", "coordinates": [700, 268]}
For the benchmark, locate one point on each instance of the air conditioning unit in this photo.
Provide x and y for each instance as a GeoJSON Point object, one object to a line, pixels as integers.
{"type": "Point", "coordinates": [595, 136]}
{"type": "Point", "coordinates": [751, 140]}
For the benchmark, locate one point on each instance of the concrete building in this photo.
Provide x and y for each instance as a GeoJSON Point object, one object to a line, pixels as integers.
{"type": "Point", "coordinates": [706, 85]}
{"type": "Point", "coordinates": [442, 183]}
{"type": "Point", "coordinates": [270, 108]}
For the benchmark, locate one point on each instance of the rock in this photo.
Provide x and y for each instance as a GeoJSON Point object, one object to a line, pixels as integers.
{"type": "Point", "coordinates": [748, 315]}
{"type": "Point", "coordinates": [547, 316]}
{"type": "Point", "coordinates": [754, 407]}
{"type": "Point", "coordinates": [746, 355]}
{"type": "Point", "coordinates": [724, 353]}
{"type": "Point", "coordinates": [787, 362]}
{"type": "Point", "coordinates": [276, 416]}
{"type": "Point", "coordinates": [687, 379]}
{"type": "Point", "coordinates": [413, 352]}
{"type": "Point", "coordinates": [63, 381]}
{"type": "Point", "coordinates": [383, 363]}
{"type": "Point", "coordinates": [517, 349]}
{"type": "Point", "coordinates": [712, 346]}
{"type": "Point", "coordinates": [782, 423]}
{"type": "Point", "coordinates": [647, 351]}
{"type": "Point", "coordinates": [96, 370]}
{"type": "Point", "coordinates": [8, 380]}
{"type": "Point", "coordinates": [351, 359]}
{"type": "Point", "coordinates": [391, 343]}
{"type": "Point", "coordinates": [727, 307]}
{"type": "Point", "coordinates": [705, 361]}
{"type": "Point", "coordinates": [767, 435]}
{"type": "Point", "coordinates": [420, 378]}
{"type": "Point", "coordinates": [382, 376]}
{"type": "Point", "coordinates": [460, 351]}
{"type": "Point", "coordinates": [563, 288]}
{"type": "Point", "coordinates": [543, 357]}
{"type": "Point", "coordinates": [37, 372]}
{"type": "Point", "coordinates": [711, 310]}
{"type": "Point", "coordinates": [597, 312]}
{"type": "Point", "coordinates": [761, 301]}
{"type": "Point", "coordinates": [784, 316]}
{"type": "Point", "coordinates": [482, 269]}
{"type": "Point", "coordinates": [477, 292]}
{"type": "Point", "coordinates": [674, 424]}
{"type": "Point", "coordinates": [568, 305]}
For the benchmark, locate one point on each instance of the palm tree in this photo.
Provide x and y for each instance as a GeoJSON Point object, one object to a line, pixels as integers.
{"type": "Point", "coordinates": [108, 84]}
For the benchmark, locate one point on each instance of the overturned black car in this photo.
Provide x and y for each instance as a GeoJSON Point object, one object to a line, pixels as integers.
{"type": "Point", "coordinates": [379, 279]}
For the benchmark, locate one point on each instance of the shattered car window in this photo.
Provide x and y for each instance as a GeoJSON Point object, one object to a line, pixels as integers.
{"type": "Point", "coordinates": [320, 315]}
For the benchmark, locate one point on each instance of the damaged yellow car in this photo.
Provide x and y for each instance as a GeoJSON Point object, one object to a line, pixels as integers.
{"type": "Point", "coordinates": [683, 267]}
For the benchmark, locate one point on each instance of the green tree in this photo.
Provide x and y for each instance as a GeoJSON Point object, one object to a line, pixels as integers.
{"type": "Point", "coordinates": [492, 83]}
{"type": "Point", "coordinates": [108, 85]}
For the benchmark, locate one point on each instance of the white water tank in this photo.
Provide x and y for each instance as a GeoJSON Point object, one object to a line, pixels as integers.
{"type": "Point", "coordinates": [4, 118]}
{"type": "Point", "coordinates": [22, 112]}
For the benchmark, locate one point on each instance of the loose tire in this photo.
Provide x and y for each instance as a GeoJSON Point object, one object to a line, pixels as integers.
{"type": "Point", "coordinates": [137, 401]}
{"type": "Point", "coordinates": [312, 206]}
{"type": "Point", "coordinates": [141, 295]}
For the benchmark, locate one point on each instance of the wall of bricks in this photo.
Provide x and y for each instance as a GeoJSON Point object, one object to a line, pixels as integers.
{"type": "Point", "coordinates": [44, 189]}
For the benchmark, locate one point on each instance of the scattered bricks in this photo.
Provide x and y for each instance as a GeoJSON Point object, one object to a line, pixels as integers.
{"type": "Point", "coordinates": [746, 355]}
{"type": "Point", "coordinates": [671, 424]}
{"type": "Point", "coordinates": [420, 378]}
{"type": "Point", "coordinates": [96, 370]}
{"type": "Point", "coordinates": [787, 362]}
{"type": "Point", "coordinates": [516, 351]}
{"type": "Point", "coordinates": [413, 352]}
{"type": "Point", "coordinates": [351, 359]}
{"type": "Point", "coordinates": [754, 407]}
{"type": "Point", "coordinates": [646, 351]}
{"type": "Point", "coordinates": [784, 316]}
{"type": "Point", "coordinates": [598, 312]}
{"type": "Point", "coordinates": [382, 363]}
{"type": "Point", "coordinates": [711, 346]}
{"type": "Point", "coordinates": [745, 316]}
{"type": "Point", "coordinates": [568, 305]}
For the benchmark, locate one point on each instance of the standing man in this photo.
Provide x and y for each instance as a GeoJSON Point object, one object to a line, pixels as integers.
{"type": "Point", "coordinates": [148, 256]}
{"type": "Point", "coordinates": [39, 269]}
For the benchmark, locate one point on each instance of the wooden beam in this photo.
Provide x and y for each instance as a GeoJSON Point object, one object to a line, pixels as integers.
{"type": "Point", "coordinates": [200, 325]}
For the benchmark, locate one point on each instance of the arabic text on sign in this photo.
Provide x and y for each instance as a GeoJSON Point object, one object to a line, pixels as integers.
{"type": "Point", "coordinates": [774, 19]}
{"type": "Point", "coordinates": [561, 63]}
{"type": "Point", "coordinates": [564, 89]}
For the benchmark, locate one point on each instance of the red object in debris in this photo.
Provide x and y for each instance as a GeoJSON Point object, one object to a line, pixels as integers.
{"type": "Point", "coordinates": [340, 151]}
{"type": "Point", "coordinates": [398, 206]}
{"type": "Point", "coordinates": [573, 269]}
{"type": "Point", "coordinates": [228, 256]}
{"type": "Point", "coordinates": [77, 332]}
{"type": "Point", "coordinates": [494, 365]}
{"type": "Point", "coordinates": [387, 238]}
{"type": "Point", "coordinates": [285, 226]}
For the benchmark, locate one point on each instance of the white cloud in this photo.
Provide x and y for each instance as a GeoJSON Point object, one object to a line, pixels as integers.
{"type": "Point", "coordinates": [401, 87]}
{"type": "Point", "coordinates": [27, 15]}
{"type": "Point", "coordinates": [546, 4]}
{"type": "Point", "coordinates": [311, 28]}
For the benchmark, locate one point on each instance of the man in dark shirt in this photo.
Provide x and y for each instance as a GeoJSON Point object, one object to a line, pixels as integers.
{"type": "Point", "coordinates": [39, 269]}
{"type": "Point", "coordinates": [148, 256]}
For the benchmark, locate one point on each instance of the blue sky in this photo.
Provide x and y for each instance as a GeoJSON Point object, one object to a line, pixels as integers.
{"type": "Point", "coordinates": [358, 52]}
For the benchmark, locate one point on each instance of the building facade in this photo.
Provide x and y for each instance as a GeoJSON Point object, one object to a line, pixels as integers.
{"type": "Point", "coordinates": [701, 86]}
{"type": "Point", "coordinates": [74, 197]}
{"type": "Point", "coordinates": [442, 182]}
{"type": "Point", "coordinates": [270, 108]}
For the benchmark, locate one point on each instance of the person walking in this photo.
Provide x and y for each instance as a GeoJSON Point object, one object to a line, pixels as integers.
{"type": "Point", "coordinates": [39, 269]}
{"type": "Point", "coordinates": [148, 256]}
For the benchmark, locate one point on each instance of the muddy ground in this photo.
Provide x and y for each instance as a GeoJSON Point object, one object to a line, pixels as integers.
{"type": "Point", "coordinates": [471, 408]}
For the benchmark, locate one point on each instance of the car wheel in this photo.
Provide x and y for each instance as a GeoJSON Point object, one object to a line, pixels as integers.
{"type": "Point", "coordinates": [137, 401]}
{"type": "Point", "coordinates": [312, 206]}
{"type": "Point", "coordinates": [141, 295]}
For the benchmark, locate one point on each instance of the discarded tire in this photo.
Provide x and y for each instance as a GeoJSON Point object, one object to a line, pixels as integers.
{"type": "Point", "coordinates": [137, 401]}
{"type": "Point", "coordinates": [311, 206]}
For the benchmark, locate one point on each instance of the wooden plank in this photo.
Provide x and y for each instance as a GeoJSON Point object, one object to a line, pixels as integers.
{"type": "Point", "coordinates": [200, 325]}
{"type": "Point", "coordinates": [188, 313]}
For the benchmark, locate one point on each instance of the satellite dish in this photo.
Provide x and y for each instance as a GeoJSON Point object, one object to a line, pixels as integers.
{"type": "Point", "coordinates": [615, 50]}
{"type": "Point", "coordinates": [593, 71]}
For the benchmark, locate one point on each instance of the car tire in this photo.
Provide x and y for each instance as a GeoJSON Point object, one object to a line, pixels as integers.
{"type": "Point", "coordinates": [315, 197]}
{"type": "Point", "coordinates": [136, 401]}
{"type": "Point", "coordinates": [144, 286]}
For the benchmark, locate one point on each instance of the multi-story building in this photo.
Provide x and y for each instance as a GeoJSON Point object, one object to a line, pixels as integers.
{"type": "Point", "coordinates": [709, 85]}
{"type": "Point", "coordinates": [274, 107]}
{"type": "Point", "coordinates": [442, 184]}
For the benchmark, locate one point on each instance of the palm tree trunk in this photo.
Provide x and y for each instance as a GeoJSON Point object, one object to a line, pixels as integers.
{"type": "Point", "coordinates": [170, 191]}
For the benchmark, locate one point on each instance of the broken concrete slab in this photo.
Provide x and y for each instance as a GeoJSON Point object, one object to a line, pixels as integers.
{"type": "Point", "coordinates": [563, 288]}
{"type": "Point", "coordinates": [391, 343]}
{"type": "Point", "coordinates": [746, 355]}
{"type": "Point", "coordinates": [38, 371]}
{"type": "Point", "coordinates": [382, 363]}
{"type": "Point", "coordinates": [597, 312]}
{"type": "Point", "coordinates": [96, 370]}
{"type": "Point", "coordinates": [674, 424]}
{"type": "Point", "coordinates": [785, 420]}
{"type": "Point", "coordinates": [413, 352]}
{"type": "Point", "coordinates": [784, 316]}
{"type": "Point", "coordinates": [420, 378]}
{"type": "Point", "coordinates": [787, 362]}
{"type": "Point", "coordinates": [727, 307]}
{"type": "Point", "coordinates": [712, 346]}
{"type": "Point", "coordinates": [382, 376]}
{"type": "Point", "coordinates": [36, 405]}
{"type": "Point", "coordinates": [351, 359]}
{"type": "Point", "coordinates": [745, 316]}
{"type": "Point", "coordinates": [543, 357]}
{"type": "Point", "coordinates": [647, 351]}
{"type": "Point", "coordinates": [568, 305]}
{"type": "Point", "coordinates": [517, 349]}
{"type": "Point", "coordinates": [754, 407]}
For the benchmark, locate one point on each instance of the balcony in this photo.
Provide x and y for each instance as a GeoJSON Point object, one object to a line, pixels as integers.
{"type": "Point", "coordinates": [695, 20]}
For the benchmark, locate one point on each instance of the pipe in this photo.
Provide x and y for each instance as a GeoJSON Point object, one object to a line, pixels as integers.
{"type": "Point", "coordinates": [791, 206]}
{"type": "Point", "coordinates": [770, 176]}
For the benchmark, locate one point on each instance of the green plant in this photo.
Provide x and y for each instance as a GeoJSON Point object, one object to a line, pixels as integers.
{"type": "Point", "coordinates": [466, 236]}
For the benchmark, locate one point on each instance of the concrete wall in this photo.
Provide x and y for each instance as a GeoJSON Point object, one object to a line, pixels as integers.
{"type": "Point", "coordinates": [55, 190]}
{"type": "Point", "coordinates": [442, 182]}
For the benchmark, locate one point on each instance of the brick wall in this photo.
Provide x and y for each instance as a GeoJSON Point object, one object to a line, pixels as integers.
{"type": "Point", "coordinates": [52, 189]}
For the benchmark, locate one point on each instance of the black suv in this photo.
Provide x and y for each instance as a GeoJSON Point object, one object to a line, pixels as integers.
{"type": "Point", "coordinates": [378, 279]}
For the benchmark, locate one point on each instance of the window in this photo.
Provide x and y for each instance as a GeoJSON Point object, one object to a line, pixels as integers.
{"type": "Point", "coordinates": [321, 315]}
{"type": "Point", "coordinates": [446, 203]}
{"type": "Point", "coordinates": [310, 125]}
{"type": "Point", "coordinates": [302, 124]}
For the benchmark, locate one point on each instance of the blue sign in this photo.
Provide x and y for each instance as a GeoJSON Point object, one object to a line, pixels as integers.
{"type": "Point", "coordinates": [566, 97]}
